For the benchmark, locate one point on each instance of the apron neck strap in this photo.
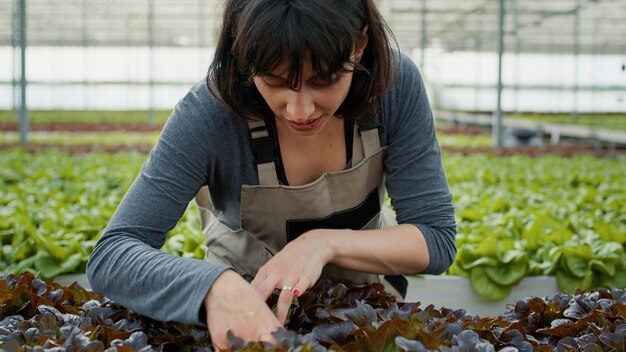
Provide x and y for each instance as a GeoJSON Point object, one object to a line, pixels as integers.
{"type": "Point", "coordinates": [264, 151]}
{"type": "Point", "coordinates": [365, 143]}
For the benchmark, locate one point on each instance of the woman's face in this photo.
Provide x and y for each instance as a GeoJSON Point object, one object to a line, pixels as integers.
{"type": "Point", "coordinates": [307, 110]}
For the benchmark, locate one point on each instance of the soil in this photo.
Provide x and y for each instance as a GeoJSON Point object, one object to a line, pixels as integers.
{"type": "Point", "coordinates": [79, 149]}
{"type": "Point", "coordinates": [466, 130]}
{"type": "Point", "coordinates": [534, 151]}
{"type": "Point", "coordinates": [562, 150]}
{"type": "Point", "coordinates": [83, 127]}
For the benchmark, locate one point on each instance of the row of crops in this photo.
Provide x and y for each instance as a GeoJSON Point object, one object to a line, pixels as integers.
{"type": "Point", "coordinates": [521, 216]}
{"type": "Point", "coordinates": [331, 316]}
{"type": "Point", "coordinates": [133, 117]}
{"type": "Point", "coordinates": [55, 206]}
{"type": "Point", "coordinates": [517, 216]}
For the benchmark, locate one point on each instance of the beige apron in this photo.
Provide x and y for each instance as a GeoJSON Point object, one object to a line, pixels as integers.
{"type": "Point", "coordinates": [273, 214]}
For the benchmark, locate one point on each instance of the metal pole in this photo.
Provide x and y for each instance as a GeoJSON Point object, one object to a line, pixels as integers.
{"type": "Point", "coordinates": [201, 30]}
{"type": "Point", "coordinates": [576, 61]}
{"type": "Point", "coordinates": [497, 116]}
{"type": "Point", "coordinates": [597, 47]}
{"type": "Point", "coordinates": [478, 48]}
{"type": "Point", "coordinates": [517, 51]}
{"type": "Point", "coordinates": [424, 41]}
{"type": "Point", "coordinates": [85, 44]}
{"type": "Point", "coordinates": [151, 113]}
{"type": "Point", "coordinates": [14, 34]}
{"type": "Point", "coordinates": [24, 123]}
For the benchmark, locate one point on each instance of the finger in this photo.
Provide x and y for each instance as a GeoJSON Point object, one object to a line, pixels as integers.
{"type": "Point", "coordinates": [300, 287]}
{"type": "Point", "coordinates": [267, 337]}
{"type": "Point", "coordinates": [263, 285]}
{"type": "Point", "coordinates": [266, 288]}
{"type": "Point", "coordinates": [256, 281]}
{"type": "Point", "coordinates": [284, 303]}
{"type": "Point", "coordinates": [220, 342]}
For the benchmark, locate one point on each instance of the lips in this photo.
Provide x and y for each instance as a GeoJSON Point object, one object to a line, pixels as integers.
{"type": "Point", "coordinates": [309, 125]}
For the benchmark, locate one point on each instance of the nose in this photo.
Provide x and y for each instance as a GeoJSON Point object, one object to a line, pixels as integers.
{"type": "Point", "coordinates": [300, 106]}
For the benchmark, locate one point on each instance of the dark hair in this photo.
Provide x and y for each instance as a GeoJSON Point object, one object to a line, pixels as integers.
{"type": "Point", "coordinates": [259, 35]}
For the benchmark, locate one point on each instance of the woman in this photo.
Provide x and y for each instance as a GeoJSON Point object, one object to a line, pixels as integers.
{"type": "Point", "coordinates": [306, 120]}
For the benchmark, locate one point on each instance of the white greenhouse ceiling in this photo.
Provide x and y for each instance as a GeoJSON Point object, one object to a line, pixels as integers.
{"type": "Point", "coordinates": [548, 26]}
{"type": "Point", "coordinates": [589, 26]}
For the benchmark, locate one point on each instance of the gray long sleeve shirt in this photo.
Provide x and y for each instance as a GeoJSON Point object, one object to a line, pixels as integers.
{"type": "Point", "coordinates": [204, 142]}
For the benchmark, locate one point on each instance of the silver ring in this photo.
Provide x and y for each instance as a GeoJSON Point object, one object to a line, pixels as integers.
{"type": "Point", "coordinates": [287, 287]}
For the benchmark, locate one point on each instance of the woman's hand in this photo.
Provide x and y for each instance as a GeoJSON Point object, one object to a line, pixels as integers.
{"type": "Point", "coordinates": [232, 304]}
{"type": "Point", "coordinates": [294, 269]}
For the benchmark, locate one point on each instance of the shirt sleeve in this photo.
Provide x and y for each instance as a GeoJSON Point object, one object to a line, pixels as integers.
{"type": "Point", "coordinates": [416, 181]}
{"type": "Point", "coordinates": [126, 264]}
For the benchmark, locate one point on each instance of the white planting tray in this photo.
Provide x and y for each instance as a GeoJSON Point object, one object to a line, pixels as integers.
{"type": "Point", "coordinates": [456, 292]}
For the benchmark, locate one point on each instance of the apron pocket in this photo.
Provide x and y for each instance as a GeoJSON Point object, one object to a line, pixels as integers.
{"type": "Point", "coordinates": [239, 249]}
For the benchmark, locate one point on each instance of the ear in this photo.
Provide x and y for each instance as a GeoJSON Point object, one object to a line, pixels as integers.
{"type": "Point", "coordinates": [358, 53]}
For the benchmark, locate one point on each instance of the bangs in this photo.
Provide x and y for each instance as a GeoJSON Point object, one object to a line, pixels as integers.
{"type": "Point", "coordinates": [297, 33]}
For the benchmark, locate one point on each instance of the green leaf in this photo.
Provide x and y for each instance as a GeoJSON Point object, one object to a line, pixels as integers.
{"type": "Point", "coordinates": [602, 267]}
{"type": "Point", "coordinates": [50, 268]}
{"type": "Point", "coordinates": [508, 274]}
{"type": "Point", "coordinates": [486, 287]}
{"type": "Point", "coordinates": [471, 214]}
{"type": "Point", "coordinates": [480, 262]}
{"type": "Point", "coordinates": [46, 265]}
{"type": "Point", "coordinates": [575, 266]}
{"type": "Point", "coordinates": [512, 255]}
{"type": "Point", "coordinates": [619, 279]}
{"type": "Point", "coordinates": [21, 266]}
{"type": "Point", "coordinates": [568, 283]}
{"type": "Point", "coordinates": [499, 204]}
{"type": "Point", "coordinates": [50, 245]}
{"type": "Point", "coordinates": [552, 259]}
{"type": "Point", "coordinates": [21, 250]}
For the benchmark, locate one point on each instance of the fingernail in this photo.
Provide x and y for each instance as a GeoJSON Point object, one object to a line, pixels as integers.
{"type": "Point", "coordinates": [296, 292]}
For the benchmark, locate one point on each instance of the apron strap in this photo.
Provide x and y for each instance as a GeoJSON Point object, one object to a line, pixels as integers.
{"type": "Point", "coordinates": [204, 201]}
{"type": "Point", "coordinates": [365, 142]}
{"type": "Point", "coordinates": [263, 149]}
{"type": "Point", "coordinates": [371, 142]}
{"type": "Point", "coordinates": [205, 207]}
{"type": "Point", "coordinates": [357, 146]}
{"type": "Point", "coordinates": [267, 174]}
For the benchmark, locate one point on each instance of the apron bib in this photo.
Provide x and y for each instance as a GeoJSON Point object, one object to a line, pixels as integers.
{"type": "Point", "coordinates": [274, 214]}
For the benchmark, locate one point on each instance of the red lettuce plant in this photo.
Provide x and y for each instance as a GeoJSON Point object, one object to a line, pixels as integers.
{"type": "Point", "coordinates": [337, 316]}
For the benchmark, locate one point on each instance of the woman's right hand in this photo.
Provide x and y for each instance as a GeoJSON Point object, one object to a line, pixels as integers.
{"type": "Point", "coordinates": [233, 304]}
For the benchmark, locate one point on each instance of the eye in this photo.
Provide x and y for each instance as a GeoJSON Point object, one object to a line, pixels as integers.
{"type": "Point", "coordinates": [322, 82]}
{"type": "Point", "coordinates": [274, 81]}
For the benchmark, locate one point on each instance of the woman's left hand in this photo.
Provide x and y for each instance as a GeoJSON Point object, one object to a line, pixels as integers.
{"type": "Point", "coordinates": [294, 269]}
